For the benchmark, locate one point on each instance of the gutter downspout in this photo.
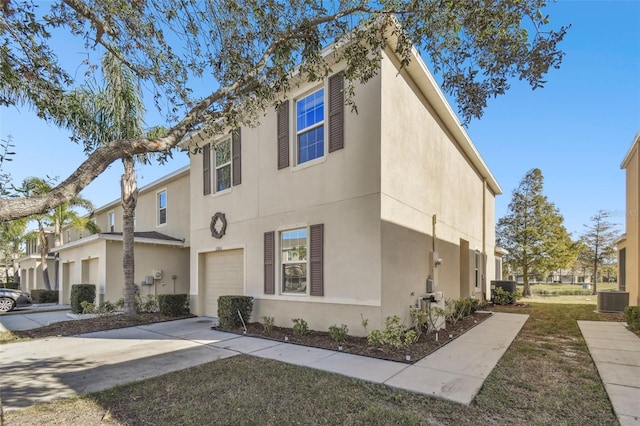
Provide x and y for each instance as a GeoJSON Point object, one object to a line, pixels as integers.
{"type": "Point", "coordinates": [484, 237]}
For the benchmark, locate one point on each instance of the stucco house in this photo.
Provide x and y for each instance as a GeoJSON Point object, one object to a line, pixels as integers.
{"type": "Point", "coordinates": [30, 265]}
{"type": "Point", "coordinates": [161, 238]}
{"type": "Point", "coordinates": [333, 216]}
{"type": "Point", "coordinates": [629, 244]}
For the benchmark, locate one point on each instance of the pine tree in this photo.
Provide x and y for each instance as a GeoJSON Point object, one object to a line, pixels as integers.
{"type": "Point", "coordinates": [599, 239]}
{"type": "Point", "coordinates": [533, 232]}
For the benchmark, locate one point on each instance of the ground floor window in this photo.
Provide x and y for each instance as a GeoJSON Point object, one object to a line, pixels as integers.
{"type": "Point", "coordinates": [293, 246]}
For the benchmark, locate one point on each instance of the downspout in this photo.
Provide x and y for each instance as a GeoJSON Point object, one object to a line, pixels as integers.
{"type": "Point", "coordinates": [484, 237]}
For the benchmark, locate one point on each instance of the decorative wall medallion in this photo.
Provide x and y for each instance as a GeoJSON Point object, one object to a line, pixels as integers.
{"type": "Point", "coordinates": [218, 225]}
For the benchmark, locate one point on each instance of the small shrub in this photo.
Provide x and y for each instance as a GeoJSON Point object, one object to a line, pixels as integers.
{"type": "Point", "coordinates": [395, 334]}
{"type": "Point", "coordinates": [44, 296]}
{"type": "Point", "coordinates": [267, 323]}
{"type": "Point", "coordinates": [120, 304]}
{"type": "Point", "coordinates": [365, 323]}
{"type": "Point", "coordinates": [87, 308]}
{"type": "Point", "coordinates": [105, 308]}
{"type": "Point", "coordinates": [504, 297]}
{"type": "Point", "coordinates": [632, 316]}
{"type": "Point", "coordinates": [82, 293]}
{"type": "Point", "coordinates": [173, 305]}
{"type": "Point", "coordinates": [338, 334]}
{"type": "Point", "coordinates": [228, 307]}
{"type": "Point", "coordinates": [452, 314]}
{"type": "Point", "coordinates": [375, 338]}
{"type": "Point", "coordinates": [300, 327]}
{"type": "Point", "coordinates": [148, 306]}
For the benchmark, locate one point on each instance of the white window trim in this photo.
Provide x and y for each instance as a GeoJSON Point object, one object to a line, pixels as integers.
{"type": "Point", "coordinates": [293, 119]}
{"type": "Point", "coordinates": [215, 166]}
{"type": "Point", "coordinates": [166, 196]}
{"type": "Point", "coordinates": [279, 274]}
{"type": "Point", "coordinates": [111, 215]}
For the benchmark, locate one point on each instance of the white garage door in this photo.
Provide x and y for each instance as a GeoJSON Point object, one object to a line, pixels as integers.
{"type": "Point", "coordinates": [224, 275]}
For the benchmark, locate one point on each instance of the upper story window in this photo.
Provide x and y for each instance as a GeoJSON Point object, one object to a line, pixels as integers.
{"type": "Point", "coordinates": [223, 165]}
{"type": "Point", "coordinates": [293, 246]}
{"type": "Point", "coordinates": [68, 236]}
{"type": "Point", "coordinates": [310, 126]}
{"type": "Point", "coordinates": [162, 207]}
{"type": "Point", "coordinates": [112, 222]}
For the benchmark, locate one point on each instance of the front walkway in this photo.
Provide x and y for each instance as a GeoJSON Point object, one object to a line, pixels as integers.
{"type": "Point", "coordinates": [616, 353]}
{"type": "Point", "coordinates": [45, 369]}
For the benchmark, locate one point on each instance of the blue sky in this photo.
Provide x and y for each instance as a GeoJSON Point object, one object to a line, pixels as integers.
{"type": "Point", "coordinates": [576, 129]}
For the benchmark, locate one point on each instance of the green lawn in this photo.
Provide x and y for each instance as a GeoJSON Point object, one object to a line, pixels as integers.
{"type": "Point", "coordinates": [545, 377]}
{"type": "Point", "coordinates": [565, 293]}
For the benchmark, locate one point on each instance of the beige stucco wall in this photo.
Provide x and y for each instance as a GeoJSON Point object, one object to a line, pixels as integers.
{"type": "Point", "coordinates": [148, 257]}
{"type": "Point", "coordinates": [31, 273]}
{"type": "Point", "coordinates": [632, 224]}
{"type": "Point", "coordinates": [82, 264]}
{"type": "Point", "coordinates": [425, 173]}
{"type": "Point", "coordinates": [340, 191]}
{"type": "Point", "coordinates": [177, 226]}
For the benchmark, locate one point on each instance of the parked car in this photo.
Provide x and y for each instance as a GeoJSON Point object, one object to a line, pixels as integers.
{"type": "Point", "coordinates": [11, 299]}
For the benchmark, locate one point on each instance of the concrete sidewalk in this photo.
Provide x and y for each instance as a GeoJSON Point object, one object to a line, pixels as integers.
{"type": "Point", "coordinates": [616, 353]}
{"type": "Point", "coordinates": [33, 317]}
{"type": "Point", "coordinates": [46, 369]}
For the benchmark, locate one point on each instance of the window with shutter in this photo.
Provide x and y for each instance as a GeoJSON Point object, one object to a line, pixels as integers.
{"type": "Point", "coordinates": [269, 263]}
{"type": "Point", "coordinates": [283, 135]}
{"type": "Point", "coordinates": [236, 162]}
{"type": "Point", "coordinates": [206, 169]}
{"type": "Point", "coordinates": [336, 112]}
{"type": "Point", "coordinates": [316, 259]}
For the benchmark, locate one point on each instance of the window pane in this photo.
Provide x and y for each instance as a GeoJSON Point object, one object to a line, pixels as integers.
{"type": "Point", "coordinates": [294, 278]}
{"type": "Point", "coordinates": [163, 216]}
{"type": "Point", "coordinates": [162, 199]}
{"type": "Point", "coordinates": [223, 152]}
{"type": "Point", "coordinates": [293, 247]}
{"type": "Point", "coordinates": [311, 144]}
{"type": "Point", "coordinates": [223, 178]}
{"type": "Point", "coordinates": [310, 110]}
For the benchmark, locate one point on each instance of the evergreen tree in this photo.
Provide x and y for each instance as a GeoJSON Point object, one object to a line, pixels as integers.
{"type": "Point", "coordinates": [599, 238]}
{"type": "Point", "coordinates": [533, 232]}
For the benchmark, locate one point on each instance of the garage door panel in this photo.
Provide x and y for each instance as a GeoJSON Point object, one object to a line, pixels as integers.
{"type": "Point", "coordinates": [224, 275]}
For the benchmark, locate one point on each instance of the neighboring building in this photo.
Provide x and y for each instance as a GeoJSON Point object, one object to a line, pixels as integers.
{"type": "Point", "coordinates": [30, 265]}
{"type": "Point", "coordinates": [161, 241]}
{"type": "Point", "coordinates": [629, 243]}
{"type": "Point", "coordinates": [331, 216]}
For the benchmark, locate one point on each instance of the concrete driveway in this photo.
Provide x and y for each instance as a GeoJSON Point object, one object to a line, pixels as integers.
{"type": "Point", "coordinates": [46, 369]}
{"type": "Point", "coordinates": [33, 317]}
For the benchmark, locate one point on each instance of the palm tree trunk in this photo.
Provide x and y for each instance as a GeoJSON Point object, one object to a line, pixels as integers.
{"type": "Point", "coordinates": [129, 194]}
{"type": "Point", "coordinates": [44, 251]}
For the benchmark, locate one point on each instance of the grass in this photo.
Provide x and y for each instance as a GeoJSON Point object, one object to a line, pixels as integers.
{"type": "Point", "coordinates": [545, 377]}
{"type": "Point", "coordinates": [565, 293]}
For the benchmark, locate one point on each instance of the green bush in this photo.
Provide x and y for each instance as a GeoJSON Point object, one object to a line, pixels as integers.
{"type": "Point", "coordinates": [504, 297]}
{"type": "Point", "coordinates": [148, 306]}
{"type": "Point", "coordinates": [632, 316]}
{"type": "Point", "coordinates": [300, 327]}
{"type": "Point", "coordinates": [339, 334]}
{"type": "Point", "coordinates": [228, 307]}
{"type": "Point", "coordinates": [173, 305]}
{"type": "Point", "coordinates": [395, 334]}
{"type": "Point", "coordinates": [267, 323]}
{"type": "Point", "coordinates": [44, 296]}
{"type": "Point", "coordinates": [13, 286]}
{"type": "Point", "coordinates": [82, 293]}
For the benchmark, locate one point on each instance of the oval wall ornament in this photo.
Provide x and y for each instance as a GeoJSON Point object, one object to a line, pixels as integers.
{"type": "Point", "coordinates": [218, 225]}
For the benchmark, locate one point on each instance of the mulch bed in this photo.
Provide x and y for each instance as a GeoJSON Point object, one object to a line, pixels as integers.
{"type": "Point", "coordinates": [359, 346]}
{"type": "Point", "coordinates": [90, 325]}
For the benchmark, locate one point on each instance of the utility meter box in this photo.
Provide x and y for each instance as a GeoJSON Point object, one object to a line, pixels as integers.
{"type": "Point", "coordinates": [157, 274]}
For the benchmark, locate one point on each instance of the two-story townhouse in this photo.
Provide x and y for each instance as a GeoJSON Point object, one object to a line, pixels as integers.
{"type": "Point", "coordinates": [161, 244]}
{"type": "Point", "coordinates": [30, 265]}
{"type": "Point", "coordinates": [629, 243]}
{"type": "Point", "coordinates": [334, 216]}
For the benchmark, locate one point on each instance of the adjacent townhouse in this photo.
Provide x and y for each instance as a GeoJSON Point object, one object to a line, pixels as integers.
{"type": "Point", "coordinates": [161, 238]}
{"type": "Point", "coordinates": [334, 216]}
{"type": "Point", "coordinates": [629, 243]}
{"type": "Point", "coordinates": [30, 265]}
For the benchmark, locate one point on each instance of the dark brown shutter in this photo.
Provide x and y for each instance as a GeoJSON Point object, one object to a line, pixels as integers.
{"type": "Point", "coordinates": [336, 112]}
{"type": "Point", "coordinates": [236, 163]}
{"type": "Point", "coordinates": [206, 169]}
{"type": "Point", "coordinates": [269, 263]}
{"type": "Point", "coordinates": [283, 135]}
{"type": "Point", "coordinates": [316, 245]}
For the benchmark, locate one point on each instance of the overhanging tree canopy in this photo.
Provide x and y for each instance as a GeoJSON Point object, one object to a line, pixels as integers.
{"type": "Point", "coordinates": [248, 51]}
